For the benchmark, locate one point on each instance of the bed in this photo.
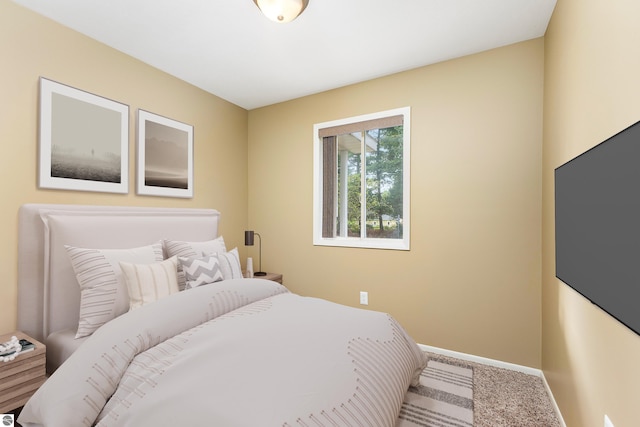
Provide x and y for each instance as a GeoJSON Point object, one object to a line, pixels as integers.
{"type": "Point", "coordinates": [148, 322]}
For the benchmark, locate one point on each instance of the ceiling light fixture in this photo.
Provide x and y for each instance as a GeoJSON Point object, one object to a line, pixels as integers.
{"type": "Point", "coordinates": [281, 11]}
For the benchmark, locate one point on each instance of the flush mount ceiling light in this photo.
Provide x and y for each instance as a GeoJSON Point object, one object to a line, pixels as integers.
{"type": "Point", "coordinates": [281, 11]}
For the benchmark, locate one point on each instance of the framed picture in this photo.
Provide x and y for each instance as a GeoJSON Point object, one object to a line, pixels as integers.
{"type": "Point", "coordinates": [83, 140]}
{"type": "Point", "coordinates": [165, 156]}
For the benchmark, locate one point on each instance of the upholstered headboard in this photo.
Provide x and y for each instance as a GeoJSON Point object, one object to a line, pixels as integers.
{"type": "Point", "coordinates": [48, 292]}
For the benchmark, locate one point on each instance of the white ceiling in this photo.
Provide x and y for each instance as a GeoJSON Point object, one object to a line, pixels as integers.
{"type": "Point", "coordinates": [228, 48]}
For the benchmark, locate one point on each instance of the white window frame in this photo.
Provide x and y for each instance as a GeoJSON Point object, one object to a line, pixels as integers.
{"type": "Point", "coordinates": [366, 242]}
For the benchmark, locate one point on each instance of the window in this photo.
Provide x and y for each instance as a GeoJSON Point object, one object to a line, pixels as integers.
{"type": "Point", "coordinates": [361, 181]}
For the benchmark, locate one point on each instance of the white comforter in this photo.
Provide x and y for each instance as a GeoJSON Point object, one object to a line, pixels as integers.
{"type": "Point", "coordinates": [235, 353]}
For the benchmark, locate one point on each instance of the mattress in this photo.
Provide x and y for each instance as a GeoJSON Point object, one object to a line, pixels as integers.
{"type": "Point", "coordinates": [61, 345]}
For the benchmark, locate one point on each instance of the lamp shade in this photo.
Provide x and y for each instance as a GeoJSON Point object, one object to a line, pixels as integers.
{"type": "Point", "coordinates": [248, 238]}
{"type": "Point", "coordinates": [281, 11]}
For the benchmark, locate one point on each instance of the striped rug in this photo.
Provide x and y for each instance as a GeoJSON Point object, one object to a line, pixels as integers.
{"type": "Point", "coordinates": [444, 398]}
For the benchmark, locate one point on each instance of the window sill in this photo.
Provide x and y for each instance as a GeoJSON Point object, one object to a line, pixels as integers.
{"type": "Point", "coordinates": [354, 242]}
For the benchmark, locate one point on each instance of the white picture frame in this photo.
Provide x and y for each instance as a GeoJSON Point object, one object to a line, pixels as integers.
{"type": "Point", "coordinates": [164, 156]}
{"type": "Point", "coordinates": [83, 140]}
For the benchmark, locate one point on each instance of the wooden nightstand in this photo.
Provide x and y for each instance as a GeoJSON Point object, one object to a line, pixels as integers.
{"type": "Point", "coordinates": [276, 277]}
{"type": "Point", "coordinates": [22, 376]}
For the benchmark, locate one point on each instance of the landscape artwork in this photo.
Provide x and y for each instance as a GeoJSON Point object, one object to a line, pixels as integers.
{"type": "Point", "coordinates": [84, 140]}
{"type": "Point", "coordinates": [165, 156]}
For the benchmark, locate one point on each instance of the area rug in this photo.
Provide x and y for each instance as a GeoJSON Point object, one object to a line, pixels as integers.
{"type": "Point", "coordinates": [444, 398]}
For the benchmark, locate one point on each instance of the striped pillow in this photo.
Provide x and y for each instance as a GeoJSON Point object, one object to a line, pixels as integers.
{"type": "Point", "coordinates": [190, 250]}
{"type": "Point", "coordinates": [148, 283]}
{"type": "Point", "coordinates": [103, 291]}
{"type": "Point", "coordinates": [201, 271]}
{"type": "Point", "coordinates": [230, 264]}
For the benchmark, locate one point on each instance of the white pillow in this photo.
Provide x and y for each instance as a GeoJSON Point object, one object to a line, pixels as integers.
{"type": "Point", "coordinates": [103, 291]}
{"type": "Point", "coordinates": [190, 250]}
{"type": "Point", "coordinates": [230, 264]}
{"type": "Point", "coordinates": [148, 283]}
{"type": "Point", "coordinates": [201, 271]}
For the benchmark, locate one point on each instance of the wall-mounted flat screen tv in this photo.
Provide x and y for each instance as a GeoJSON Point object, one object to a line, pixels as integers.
{"type": "Point", "coordinates": [597, 213]}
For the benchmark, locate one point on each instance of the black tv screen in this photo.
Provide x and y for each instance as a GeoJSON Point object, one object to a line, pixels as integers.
{"type": "Point", "coordinates": [597, 212]}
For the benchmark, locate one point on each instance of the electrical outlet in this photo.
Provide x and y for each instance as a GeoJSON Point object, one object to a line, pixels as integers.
{"type": "Point", "coordinates": [364, 298]}
{"type": "Point", "coordinates": [607, 422]}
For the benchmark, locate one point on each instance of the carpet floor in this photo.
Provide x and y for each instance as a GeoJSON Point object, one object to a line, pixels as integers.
{"type": "Point", "coordinates": [506, 398]}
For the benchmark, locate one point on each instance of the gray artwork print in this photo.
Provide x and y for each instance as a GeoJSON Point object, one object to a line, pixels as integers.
{"type": "Point", "coordinates": [85, 141]}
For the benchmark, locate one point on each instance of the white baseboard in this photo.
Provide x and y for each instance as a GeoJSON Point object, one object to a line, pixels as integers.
{"type": "Point", "coordinates": [553, 400]}
{"type": "Point", "coordinates": [499, 364]}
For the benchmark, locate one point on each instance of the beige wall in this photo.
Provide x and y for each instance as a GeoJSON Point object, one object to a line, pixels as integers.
{"type": "Point", "coordinates": [471, 281]}
{"type": "Point", "coordinates": [592, 64]}
{"type": "Point", "coordinates": [32, 46]}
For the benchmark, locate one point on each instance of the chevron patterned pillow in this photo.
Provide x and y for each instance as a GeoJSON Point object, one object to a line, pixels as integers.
{"type": "Point", "coordinates": [192, 249]}
{"type": "Point", "coordinates": [201, 271]}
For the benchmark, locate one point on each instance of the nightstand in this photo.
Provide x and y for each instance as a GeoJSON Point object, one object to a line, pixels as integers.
{"type": "Point", "coordinates": [276, 277]}
{"type": "Point", "coordinates": [21, 377]}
